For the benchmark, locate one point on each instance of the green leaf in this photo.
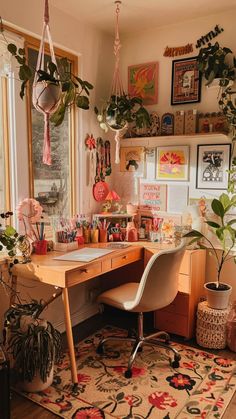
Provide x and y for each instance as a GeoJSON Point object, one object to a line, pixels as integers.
{"type": "Point", "coordinates": [213, 224]}
{"type": "Point", "coordinates": [10, 231]}
{"type": "Point", "coordinates": [82, 102]}
{"type": "Point", "coordinates": [218, 208]}
{"type": "Point", "coordinates": [88, 85]}
{"type": "Point", "coordinates": [21, 51]}
{"type": "Point", "coordinates": [225, 200]}
{"type": "Point", "coordinates": [25, 72]}
{"type": "Point", "coordinates": [12, 49]}
{"type": "Point", "coordinates": [193, 233]}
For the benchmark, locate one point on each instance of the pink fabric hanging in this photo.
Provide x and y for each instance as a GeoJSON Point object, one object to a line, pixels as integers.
{"type": "Point", "coordinates": [46, 96]}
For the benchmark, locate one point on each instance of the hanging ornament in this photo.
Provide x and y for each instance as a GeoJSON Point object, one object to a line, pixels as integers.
{"type": "Point", "coordinates": [100, 187]}
{"type": "Point", "coordinates": [90, 144]}
{"type": "Point", "coordinates": [46, 87]}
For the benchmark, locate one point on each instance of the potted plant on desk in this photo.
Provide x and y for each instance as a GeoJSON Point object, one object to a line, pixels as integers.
{"type": "Point", "coordinates": [218, 293]}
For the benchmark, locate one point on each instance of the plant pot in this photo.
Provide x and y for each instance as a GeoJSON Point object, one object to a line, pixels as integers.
{"type": "Point", "coordinates": [46, 96]}
{"type": "Point", "coordinates": [36, 384]}
{"type": "Point", "coordinates": [217, 298]}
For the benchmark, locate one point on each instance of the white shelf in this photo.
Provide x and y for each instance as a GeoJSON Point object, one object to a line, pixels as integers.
{"type": "Point", "coordinates": [210, 136]}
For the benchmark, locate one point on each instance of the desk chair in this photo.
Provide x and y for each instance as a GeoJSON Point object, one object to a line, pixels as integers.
{"type": "Point", "coordinates": [157, 288]}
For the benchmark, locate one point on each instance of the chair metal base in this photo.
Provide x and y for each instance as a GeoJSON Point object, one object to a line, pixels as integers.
{"type": "Point", "coordinates": [139, 342]}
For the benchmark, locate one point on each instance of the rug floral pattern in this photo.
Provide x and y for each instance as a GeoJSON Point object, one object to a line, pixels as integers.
{"type": "Point", "coordinates": [201, 387]}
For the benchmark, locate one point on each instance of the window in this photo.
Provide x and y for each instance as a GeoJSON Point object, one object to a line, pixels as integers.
{"type": "Point", "coordinates": [51, 185]}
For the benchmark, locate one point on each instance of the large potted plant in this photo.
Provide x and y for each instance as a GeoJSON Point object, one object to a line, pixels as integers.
{"type": "Point", "coordinates": [224, 233]}
{"type": "Point", "coordinates": [33, 343]}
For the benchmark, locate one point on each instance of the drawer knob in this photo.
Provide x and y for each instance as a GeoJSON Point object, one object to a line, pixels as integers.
{"type": "Point", "coordinates": [124, 257]}
{"type": "Point", "coordinates": [84, 270]}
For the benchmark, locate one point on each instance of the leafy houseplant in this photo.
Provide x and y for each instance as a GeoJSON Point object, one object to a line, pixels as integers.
{"type": "Point", "coordinates": [217, 62]}
{"type": "Point", "coordinates": [11, 241]}
{"type": "Point", "coordinates": [121, 110]}
{"type": "Point", "coordinates": [225, 235]}
{"type": "Point", "coordinates": [34, 344]}
{"type": "Point", "coordinates": [73, 89]}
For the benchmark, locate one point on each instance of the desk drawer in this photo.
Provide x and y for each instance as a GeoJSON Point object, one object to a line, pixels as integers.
{"type": "Point", "coordinates": [180, 305]}
{"type": "Point", "coordinates": [86, 272]}
{"type": "Point", "coordinates": [129, 257]}
{"type": "Point", "coordinates": [168, 322]}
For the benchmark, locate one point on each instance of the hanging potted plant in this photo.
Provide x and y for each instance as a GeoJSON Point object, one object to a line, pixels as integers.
{"type": "Point", "coordinates": [223, 231]}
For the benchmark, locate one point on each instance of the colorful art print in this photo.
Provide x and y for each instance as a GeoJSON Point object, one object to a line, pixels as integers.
{"type": "Point", "coordinates": [172, 163]}
{"type": "Point", "coordinates": [153, 194]}
{"type": "Point", "coordinates": [167, 124]}
{"type": "Point", "coordinates": [143, 82]}
{"type": "Point", "coordinates": [186, 81]}
{"type": "Point", "coordinates": [213, 162]}
{"type": "Point", "coordinates": [132, 159]}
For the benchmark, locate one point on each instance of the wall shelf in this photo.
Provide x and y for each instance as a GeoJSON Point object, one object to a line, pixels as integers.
{"type": "Point", "coordinates": [209, 136]}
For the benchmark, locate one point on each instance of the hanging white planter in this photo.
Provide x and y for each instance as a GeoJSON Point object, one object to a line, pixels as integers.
{"type": "Point", "coordinates": [46, 96]}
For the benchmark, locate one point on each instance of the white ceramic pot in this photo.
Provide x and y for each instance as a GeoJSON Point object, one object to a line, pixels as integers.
{"type": "Point", "coordinates": [36, 384]}
{"type": "Point", "coordinates": [218, 299]}
{"type": "Point", "coordinates": [46, 96]}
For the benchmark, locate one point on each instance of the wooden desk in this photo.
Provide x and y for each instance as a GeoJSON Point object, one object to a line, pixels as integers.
{"type": "Point", "coordinates": [66, 274]}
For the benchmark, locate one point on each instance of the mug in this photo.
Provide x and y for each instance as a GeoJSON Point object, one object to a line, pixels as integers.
{"type": "Point", "coordinates": [40, 247]}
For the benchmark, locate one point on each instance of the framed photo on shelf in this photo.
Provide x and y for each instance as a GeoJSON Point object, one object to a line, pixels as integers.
{"type": "Point", "coordinates": [213, 161]}
{"type": "Point", "coordinates": [172, 162]}
{"type": "Point", "coordinates": [143, 82]}
{"type": "Point", "coordinates": [186, 81]}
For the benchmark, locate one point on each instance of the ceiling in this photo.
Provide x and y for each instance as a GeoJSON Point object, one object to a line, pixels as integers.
{"type": "Point", "coordinates": [140, 14]}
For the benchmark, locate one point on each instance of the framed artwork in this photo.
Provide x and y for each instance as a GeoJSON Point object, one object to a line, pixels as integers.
{"type": "Point", "coordinates": [153, 194]}
{"type": "Point", "coordinates": [172, 162]}
{"type": "Point", "coordinates": [213, 161]}
{"type": "Point", "coordinates": [143, 82]}
{"type": "Point", "coordinates": [186, 81]}
{"type": "Point", "coordinates": [132, 159]}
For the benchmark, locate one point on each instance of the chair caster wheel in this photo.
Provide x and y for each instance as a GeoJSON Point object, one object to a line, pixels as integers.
{"type": "Point", "coordinates": [100, 350]}
{"type": "Point", "coordinates": [128, 374]}
{"type": "Point", "coordinates": [175, 364]}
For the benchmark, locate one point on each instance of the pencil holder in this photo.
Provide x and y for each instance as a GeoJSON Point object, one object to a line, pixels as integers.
{"type": "Point", "coordinates": [94, 236]}
{"type": "Point", "coordinates": [102, 235]}
{"type": "Point", "coordinates": [86, 234]}
{"type": "Point", "coordinates": [40, 247]}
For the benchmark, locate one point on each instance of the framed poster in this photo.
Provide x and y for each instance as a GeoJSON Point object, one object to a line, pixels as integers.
{"type": "Point", "coordinates": [132, 159]}
{"type": "Point", "coordinates": [213, 161]}
{"type": "Point", "coordinates": [186, 81]}
{"type": "Point", "coordinates": [172, 162]}
{"type": "Point", "coordinates": [153, 194]}
{"type": "Point", "coordinates": [142, 82]}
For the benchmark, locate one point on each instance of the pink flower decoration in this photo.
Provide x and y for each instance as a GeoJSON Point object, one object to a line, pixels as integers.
{"type": "Point", "coordinates": [29, 208]}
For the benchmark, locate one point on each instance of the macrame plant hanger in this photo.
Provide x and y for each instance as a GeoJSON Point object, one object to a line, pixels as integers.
{"type": "Point", "coordinates": [117, 86]}
{"type": "Point", "coordinates": [46, 95]}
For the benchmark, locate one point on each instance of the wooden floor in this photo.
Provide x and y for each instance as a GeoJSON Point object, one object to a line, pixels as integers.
{"type": "Point", "coordinates": [22, 408]}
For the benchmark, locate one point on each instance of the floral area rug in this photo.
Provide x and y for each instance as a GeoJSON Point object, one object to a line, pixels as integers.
{"type": "Point", "coordinates": [201, 387]}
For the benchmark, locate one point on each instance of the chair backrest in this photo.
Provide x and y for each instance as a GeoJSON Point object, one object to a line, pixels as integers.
{"type": "Point", "coordinates": [159, 283]}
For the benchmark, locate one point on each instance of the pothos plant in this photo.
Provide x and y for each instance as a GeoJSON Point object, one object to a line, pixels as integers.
{"type": "Point", "coordinates": [74, 90]}
{"type": "Point", "coordinates": [121, 110]}
{"type": "Point", "coordinates": [10, 240]}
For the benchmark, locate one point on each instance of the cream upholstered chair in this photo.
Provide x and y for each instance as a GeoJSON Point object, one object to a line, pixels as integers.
{"type": "Point", "coordinates": [157, 288]}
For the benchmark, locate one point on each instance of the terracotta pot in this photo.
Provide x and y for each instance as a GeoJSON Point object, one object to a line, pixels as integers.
{"type": "Point", "coordinates": [46, 96]}
{"type": "Point", "coordinates": [217, 299]}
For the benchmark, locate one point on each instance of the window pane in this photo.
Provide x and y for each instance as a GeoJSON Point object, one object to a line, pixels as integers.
{"type": "Point", "coordinates": [51, 184]}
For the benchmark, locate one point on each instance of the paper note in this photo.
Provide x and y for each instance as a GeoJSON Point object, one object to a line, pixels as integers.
{"type": "Point", "coordinates": [177, 198]}
{"type": "Point", "coordinates": [84, 255]}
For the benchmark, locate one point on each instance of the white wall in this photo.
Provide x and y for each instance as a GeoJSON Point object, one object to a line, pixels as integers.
{"type": "Point", "coordinates": [149, 45]}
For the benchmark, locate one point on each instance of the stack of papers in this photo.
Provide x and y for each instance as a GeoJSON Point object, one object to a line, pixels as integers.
{"type": "Point", "coordinates": [84, 255]}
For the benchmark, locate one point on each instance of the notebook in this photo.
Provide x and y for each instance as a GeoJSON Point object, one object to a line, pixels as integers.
{"type": "Point", "coordinates": [84, 255]}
